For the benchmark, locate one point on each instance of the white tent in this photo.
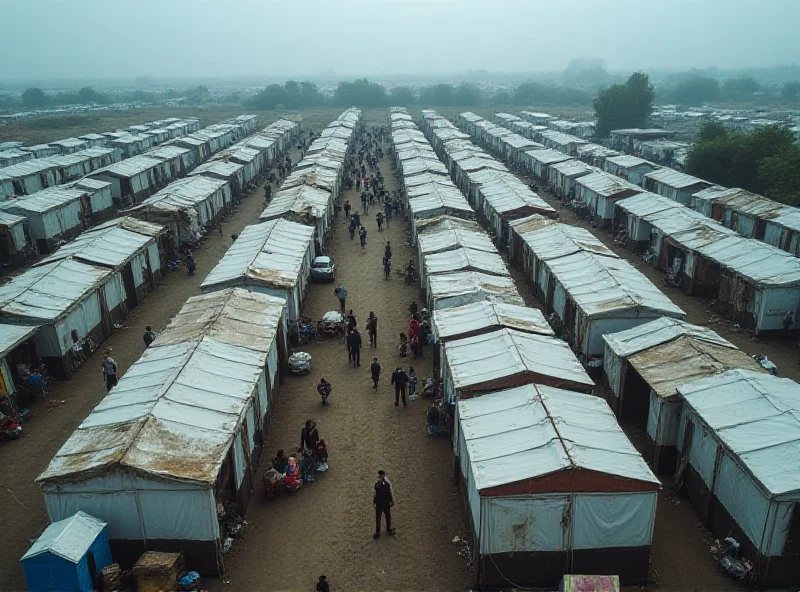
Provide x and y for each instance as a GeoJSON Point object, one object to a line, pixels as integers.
{"type": "Point", "coordinates": [272, 257]}
{"type": "Point", "coordinates": [455, 289]}
{"type": "Point", "coordinates": [53, 214]}
{"type": "Point", "coordinates": [553, 485]}
{"type": "Point", "coordinates": [305, 204]}
{"type": "Point", "coordinates": [739, 442]}
{"type": "Point", "coordinates": [149, 458]}
{"type": "Point", "coordinates": [486, 316]}
{"type": "Point", "coordinates": [463, 259]}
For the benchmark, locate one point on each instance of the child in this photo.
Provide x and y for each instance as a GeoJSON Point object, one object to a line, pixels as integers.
{"type": "Point", "coordinates": [403, 345]}
{"type": "Point", "coordinates": [412, 384]}
{"type": "Point", "coordinates": [322, 456]}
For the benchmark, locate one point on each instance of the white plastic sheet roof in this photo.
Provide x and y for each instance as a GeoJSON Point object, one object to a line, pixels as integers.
{"type": "Point", "coordinates": [218, 167]}
{"type": "Point", "coordinates": [606, 184]}
{"type": "Point", "coordinates": [492, 287]}
{"type": "Point", "coordinates": [46, 292]}
{"type": "Point", "coordinates": [533, 431]}
{"type": "Point", "coordinates": [176, 411]}
{"type": "Point", "coordinates": [184, 193]}
{"type": "Point", "coordinates": [482, 359]}
{"type": "Point", "coordinates": [167, 152]}
{"type": "Point", "coordinates": [27, 168]}
{"type": "Point", "coordinates": [646, 204]}
{"type": "Point", "coordinates": [482, 316]}
{"type": "Point", "coordinates": [69, 539]}
{"type": "Point", "coordinates": [131, 167]}
{"type": "Point", "coordinates": [415, 166]}
{"type": "Point", "coordinates": [435, 197]}
{"type": "Point", "coordinates": [572, 168]}
{"type": "Point", "coordinates": [8, 219]}
{"type": "Point", "coordinates": [13, 335]}
{"type": "Point", "coordinates": [674, 179]}
{"type": "Point", "coordinates": [604, 286]}
{"type": "Point", "coordinates": [44, 200]}
{"type": "Point", "coordinates": [272, 252]}
{"type": "Point", "coordinates": [465, 258]}
{"type": "Point", "coordinates": [134, 225]}
{"type": "Point", "coordinates": [452, 237]}
{"type": "Point", "coordinates": [627, 161]}
{"type": "Point", "coordinates": [109, 246]}
{"type": "Point", "coordinates": [299, 199]}
{"type": "Point", "coordinates": [757, 417]}
{"type": "Point", "coordinates": [322, 178]}
{"type": "Point", "coordinates": [559, 240]}
{"type": "Point", "coordinates": [504, 196]}
{"type": "Point", "coordinates": [658, 331]}
{"type": "Point", "coordinates": [547, 156]}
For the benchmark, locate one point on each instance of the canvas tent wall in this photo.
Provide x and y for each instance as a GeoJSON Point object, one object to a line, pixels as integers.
{"type": "Point", "coordinates": [272, 257]}
{"type": "Point", "coordinates": [14, 340]}
{"type": "Point", "coordinates": [31, 176]}
{"type": "Point", "coordinates": [552, 485]}
{"type": "Point", "coordinates": [53, 215]}
{"type": "Point", "coordinates": [645, 365]}
{"type": "Point", "coordinates": [15, 247]}
{"type": "Point", "coordinates": [100, 198]}
{"type": "Point", "coordinates": [133, 179]}
{"type": "Point", "coordinates": [738, 442]}
{"type": "Point", "coordinates": [598, 192]}
{"type": "Point", "coordinates": [179, 434]}
{"type": "Point", "coordinates": [71, 301]}
{"type": "Point", "coordinates": [232, 172]}
{"type": "Point", "coordinates": [674, 185]}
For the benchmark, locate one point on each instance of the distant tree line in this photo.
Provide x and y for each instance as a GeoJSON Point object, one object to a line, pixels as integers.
{"type": "Point", "coordinates": [766, 161]}
{"type": "Point", "coordinates": [36, 98]}
{"type": "Point", "coordinates": [705, 89]}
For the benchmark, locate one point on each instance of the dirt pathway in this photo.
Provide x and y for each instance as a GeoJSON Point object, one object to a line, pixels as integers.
{"type": "Point", "coordinates": [326, 527]}
{"type": "Point", "coordinates": [21, 501]}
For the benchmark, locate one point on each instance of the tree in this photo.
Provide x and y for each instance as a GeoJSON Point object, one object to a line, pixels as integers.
{"type": "Point", "coordinates": [711, 130]}
{"type": "Point", "coordinates": [791, 90]}
{"type": "Point", "coordinates": [361, 93]}
{"type": "Point", "coordinates": [197, 94]}
{"type": "Point", "coordinates": [696, 91]}
{"type": "Point", "coordinates": [270, 98]}
{"type": "Point", "coordinates": [625, 105]}
{"type": "Point", "coordinates": [402, 96]}
{"type": "Point", "coordinates": [34, 97]}
{"type": "Point", "coordinates": [501, 97]}
{"type": "Point", "coordinates": [780, 175]}
{"type": "Point", "coordinates": [88, 95]}
{"type": "Point", "coordinates": [440, 95]}
{"type": "Point", "coordinates": [738, 88]}
{"type": "Point", "coordinates": [466, 94]}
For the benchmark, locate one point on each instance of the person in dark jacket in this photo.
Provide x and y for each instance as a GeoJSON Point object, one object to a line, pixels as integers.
{"type": "Point", "coordinates": [354, 347]}
{"type": "Point", "coordinates": [383, 501]}
{"type": "Point", "coordinates": [399, 380]}
{"type": "Point", "coordinates": [148, 337]}
{"type": "Point", "coordinates": [375, 371]}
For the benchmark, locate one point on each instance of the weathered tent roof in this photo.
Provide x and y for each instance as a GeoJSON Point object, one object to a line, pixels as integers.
{"type": "Point", "coordinates": [176, 411]}
{"type": "Point", "coordinates": [271, 252]}
{"type": "Point", "coordinates": [13, 335]}
{"type": "Point", "coordinates": [534, 431]}
{"type": "Point", "coordinates": [479, 361]}
{"type": "Point", "coordinates": [572, 168]}
{"type": "Point", "coordinates": [558, 240]}
{"type": "Point", "coordinates": [69, 539]}
{"type": "Point", "coordinates": [485, 316]}
{"type": "Point", "coordinates": [757, 418]}
{"type": "Point", "coordinates": [27, 168]}
{"type": "Point", "coordinates": [530, 223]}
{"type": "Point", "coordinates": [446, 222]}
{"type": "Point", "coordinates": [184, 193]}
{"type": "Point", "coordinates": [604, 286]}
{"type": "Point", "coordinates": [218, 167]}
{"type": "Point", "coordinates": [320, 177]}
{"type": "Point", "coordinates": [466, 283]}
{"type": "Point", "coordinates": [425, 198]}
{"type": "Point", "coordinates": [506, 194]}
{"type": "Point", "coordinates": [627, 161]}
{"type": "Point", "coordinates": [130, 166]}
{"type": "Point", "coordinates": [658, 331]}
{"type": "Point", "coordinates": [7, 219]}
{"type": "Point", "coordinates": [44, 200]}
{"type": "Point", "coordinates": [547, 156]}
{"type": "Point", "coordinates": [134, 225]}
{"type": "Point", "coordinates": [454, 236]}
{"type": "Point", "coordinates": [299, 199]}
{"type": "Point", "coordinates": [108, 246]}
{"type": "Point", "coordinates": [465, 258]}
{"type": "Point", "coordinates": [646, 204]}
{"type": "Point", "coordinates": [167, 152]}
{"type": "Point", "coordinates": [606, 184]}
{"type": "Point", "coordinates": [675, 179]}
{"type": "Point", "coordinates": [48, 291]}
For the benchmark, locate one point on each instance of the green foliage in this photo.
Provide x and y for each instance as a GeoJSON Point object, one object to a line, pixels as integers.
{"type": "Point", "coordinates": [750, 160]}
{"type": "Point", "coordinates": [88, 95]}
{"type": "Point", "coordinates": [198, 94]}
{"type": "Point", "coordinates": [740, 88]}
{"type": "Point", "coordinates": [466, 95]}
{"type": "Point", "coordinates": [501, 97]}
{"type": "Point", "coordinates": [292, 95]}
{"type": "Point", "coordinates": [696, 91]}
{"type": "Point", "coordinates": [537, 93]}
{"type": "Point", "coordinates": [439, 95]}
{"type": "Point", "coordinates": [360, 93]}
{"type": "Point", "coordinates": [791, 90]}
{"type": "Point", "coordinates": [624, 105]}
{"type": "Point", "coordinates": [780, 175]}
{"type": "Point", "coordinates": [402, 96]}
{"type": "Point", "coordinates": [711, 130]}
{"type": "Point", "coordinates": [34, 97]}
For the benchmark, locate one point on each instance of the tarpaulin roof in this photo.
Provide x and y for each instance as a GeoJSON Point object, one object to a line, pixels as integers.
{"type": "Point", "coordinates": [606, 184]}
{"type": "Point", "coordinates": [658, 331]}
{"type": "Point", "coordinates": [44, 200]}
{"type": "Point", "coordinates": [272, 252]}
{"type": "Point", "coordinates": [506, 194]}
{"type": "Point", "coordinates": [675, 179]}
{"type": "Point", "coordinates": [69, 539]}
{"type": "Point", "coordinates": [547, 156]}
{"type": "Point", "coordinates": [604, 286]}
{"type": "Point", "coordinates": [426, 198]}
{"type": "Point", "coordinates": [572, 168]}
{"type": "Point", "coordinates": [167, 152]}
{"type": "Point", "coordinates": [299, 199]}
{"type": "Point", "coordinates": [8, 219]}
{"type": "Point", "coordinates": [533, 431]}
{"type": "Point", "coordinates": [131, 166]}
{"type": "Point", "coordinates": [109, 246]}
{"type": "Point", "coordinates": [627, 161]}
{"type": "Point", "coordinates": [757, 417]}
{"type": "Point", "coordinates": [48, 291]}
{"type": "Point", "coordinates": [453, 236]}
{"type": "Point", "coordinates": [218, 167]}
{"type": "Point", "coordinates": [446, 222]}
{"type": "Point", "coordinates": [559, 240]}
{"type": "Point", "coordinates": [478, 361]}
{"type": "Point", "coordinates": [465, 258]}
{"type": "Point", "coordinates": [450, 323]}
{"type": "Point", "coordinates": [13, 335]}
{"type": "Point", "coordinates": [184, 193]}
{"type": "Point", "coordinates": [530, 223]}
{"type": "Point", "coordinates": [462, 283]}
{"type": "Point", "coordinates": [176, 411]}
{"type": "Point", "coordinates": [134, 225]}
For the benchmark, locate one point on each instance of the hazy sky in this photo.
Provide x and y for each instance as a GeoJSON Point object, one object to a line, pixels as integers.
{"type": "Point", "coordinates": [124, 38]}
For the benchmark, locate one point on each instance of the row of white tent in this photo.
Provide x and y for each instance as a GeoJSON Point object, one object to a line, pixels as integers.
{"type": "Point", "coordinates": [698, 396]}
{"type": "Point", "coordinates": [754, 283]}
{"type": "Point", "coordinates": [543, 464]}
{"type": "Point", "coordinates": [181, 434]}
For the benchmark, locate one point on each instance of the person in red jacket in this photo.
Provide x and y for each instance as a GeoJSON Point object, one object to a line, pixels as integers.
{"type": "Point", "coordinates": [414, 332]}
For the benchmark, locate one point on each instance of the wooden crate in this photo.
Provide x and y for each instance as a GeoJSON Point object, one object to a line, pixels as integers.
{"type": "Point", "coordinates": [158, 572]}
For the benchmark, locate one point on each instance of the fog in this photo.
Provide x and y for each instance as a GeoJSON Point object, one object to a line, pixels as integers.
{"type": "Point", "coordinates": [189, 38]}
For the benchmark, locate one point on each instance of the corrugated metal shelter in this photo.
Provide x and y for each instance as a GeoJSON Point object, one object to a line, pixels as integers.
{"type": "Point", "coordinates": [676, 186]}
{"type": "Point", "coordinates": [15, 247]}
{"type": "Point", "coordinates": [69, 145]}
{"type": "Point", "coordinates": [646, 364]}
{"type": "Point", "coordinates": [134, 179]}
{"type": "Point", "coordinates": [73, 302]}
{"type": "Point", "coordinates": [13, 156]}
{"type": "Point", "coordinates": [738, 440]}
{"type": "Point", "coordinates": [31, 176]}
{"type": "Point", "coordinates": [563, 175]}
{"type": "Point", "coordinates": [179, 434]}
{"type": "Point", "coordinates": [630, 168]}
{"type": "Point", "coordinates": [539, 161]}
{"type": "Point", "coordinates": [598, 192]}
{"type": "Point", "coordinates": [552, 485]}
{"type": "Point", "coordinates": [179, 160]}
{"type": "Point", "coordinates": [232, 172]}
{"type": "Point", "coordinates": [100, 199]}
{"type": "Point", "coordinates": [53, 215]}
{"type": "Point", "coordinates": [273, 257]}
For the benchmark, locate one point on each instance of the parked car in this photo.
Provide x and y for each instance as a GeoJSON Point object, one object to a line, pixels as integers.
{"type": "Point", "coordinates": [323, 269]}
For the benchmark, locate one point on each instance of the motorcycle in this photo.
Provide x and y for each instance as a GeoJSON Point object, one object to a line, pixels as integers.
{"type": "Point", "coordinates": [410, 276]}
{"type": "Point", "coordinates": [727, 555]}
{"type": "Point", "coordinates": [306, 330]}
{"type": "Point", "coordinates": [324, 390]}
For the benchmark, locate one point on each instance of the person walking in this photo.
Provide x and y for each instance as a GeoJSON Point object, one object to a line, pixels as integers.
{"type": "Point", "coordinates": [354, 347]}
{"type": "Point", "coordinates": [148, 337]}
{"type": "Point", "coordinates": [372, 329]}
{"type": "Point", "coordinates": [383, 501]}
{"type": "Point", "coordinates": [341, 294]}
{"type": "Point", "coordinates": [190, 264]}
{"type": "Point", "coordinates": [387, 250]}
{"type": "Point", "coordinates": [362, 236]}
{"type": "Point", "coordinates": [379, 220]}
{"type": "Point", "coordinates": [375, 372]}
{"type": "Point", "coordinates": [387, 267]}
{"type": "Point", "coordinates": [322, 585]}
{"type": "Point", "coordinates": [399, 380]}
{"type": "Point", "coordinates": [413, 381]}
{"type": "Point", "coordinates": [109, 370]}
{"type": "Point", "coordinates": [347, 207]}
{"type": "Point", "coordinates": [414, 334]}
{"type": "Point", "coordinates": [364, 206]}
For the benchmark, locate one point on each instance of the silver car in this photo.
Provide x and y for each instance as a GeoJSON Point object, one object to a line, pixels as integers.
{"type": "Point", "coordinates": [323, 269]}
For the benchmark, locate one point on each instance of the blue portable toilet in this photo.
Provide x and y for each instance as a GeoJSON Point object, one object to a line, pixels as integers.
{"type": "Point", "coordinates": [69, 556]}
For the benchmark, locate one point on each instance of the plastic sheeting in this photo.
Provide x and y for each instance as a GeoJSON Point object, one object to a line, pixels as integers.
{"type": "Point", "coordinates": [483, 316]}
{"type": "Point", "coordinates": [525, 524]}
{"type": "Point", "coordinates": [613, 520]}
{"type": "Point", "coordinates": [69, 539]}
